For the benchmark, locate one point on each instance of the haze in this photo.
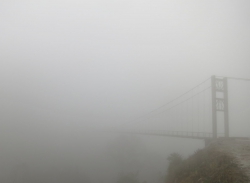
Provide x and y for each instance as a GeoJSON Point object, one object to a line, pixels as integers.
{"type": "Point", "coordinates": [68, 68]}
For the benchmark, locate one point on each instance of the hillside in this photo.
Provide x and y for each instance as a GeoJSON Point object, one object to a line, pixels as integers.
{"type": "Point", "coordinates": [223, 161]}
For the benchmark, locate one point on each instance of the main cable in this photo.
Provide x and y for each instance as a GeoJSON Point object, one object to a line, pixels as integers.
{"type": "Point", "coordinates": [143, 116]}
{"type": "Point", "coordinates": [243, 79]}
{"type": "Point", "coordinates": [180, 102]}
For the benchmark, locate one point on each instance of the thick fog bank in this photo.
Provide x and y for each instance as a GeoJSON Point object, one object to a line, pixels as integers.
{"type": "Point", "coordinates": [85, 157]}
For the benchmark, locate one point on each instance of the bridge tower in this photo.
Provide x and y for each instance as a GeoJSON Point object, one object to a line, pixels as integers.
{"type": "Point", "coordinates": [219, 90]}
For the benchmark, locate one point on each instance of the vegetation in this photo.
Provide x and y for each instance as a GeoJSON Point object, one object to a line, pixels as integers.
{"type": "Point", "coordinates": [129, 178]}
{"type": "Point", "coordinates": [127, 151]}
{"type": "Point", "coordinates": [205, 166]}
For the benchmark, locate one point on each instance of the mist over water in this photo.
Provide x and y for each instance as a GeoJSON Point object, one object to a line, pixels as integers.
{"type": "Point", "coordinates": [72, 71]}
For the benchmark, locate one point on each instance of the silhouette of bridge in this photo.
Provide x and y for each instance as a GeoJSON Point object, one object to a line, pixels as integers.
{"type": "Point", "coordinates": [196, 112]}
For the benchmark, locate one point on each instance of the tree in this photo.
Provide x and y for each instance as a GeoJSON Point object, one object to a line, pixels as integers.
{"type": "Point", "coordinates": [129, 178]}
{"type": "Point", "coordinates": [127, 151]}
{"type": "Point", "coordinates": [175, 161]}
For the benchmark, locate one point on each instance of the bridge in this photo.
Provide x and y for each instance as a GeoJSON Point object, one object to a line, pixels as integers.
{"type": "Point", "coordinates": [195, 113]}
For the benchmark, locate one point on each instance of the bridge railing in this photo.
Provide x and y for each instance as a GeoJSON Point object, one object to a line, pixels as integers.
{"type": "Point", "coordinates": [200, 135]}
{"type": "Point", "coordinates": [182, 133]}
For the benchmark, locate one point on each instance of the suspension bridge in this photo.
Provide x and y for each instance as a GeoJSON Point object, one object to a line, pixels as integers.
{"type": "Point", "coordinates": [194, 114]}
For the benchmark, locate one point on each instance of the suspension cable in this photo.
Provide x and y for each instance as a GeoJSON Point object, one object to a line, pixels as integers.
{"type": "Point", "coordinates": [143, 116]}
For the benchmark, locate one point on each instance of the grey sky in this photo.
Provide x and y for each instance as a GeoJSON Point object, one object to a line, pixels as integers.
{"type": "Point", "coordinates": [115, 60]}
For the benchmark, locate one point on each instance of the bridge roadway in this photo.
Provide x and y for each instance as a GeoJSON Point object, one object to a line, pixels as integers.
{"type": "Point", "coordinates": [179, 134]}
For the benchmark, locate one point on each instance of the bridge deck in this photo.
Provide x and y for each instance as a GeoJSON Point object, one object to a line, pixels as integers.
{"type": "Point", "coordinates": [180, 134]}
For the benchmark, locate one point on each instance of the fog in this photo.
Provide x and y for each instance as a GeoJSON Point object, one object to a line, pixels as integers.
{"type": "Point", "coordinates": [69, 70]}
